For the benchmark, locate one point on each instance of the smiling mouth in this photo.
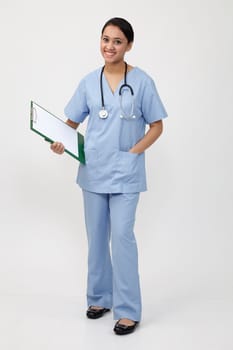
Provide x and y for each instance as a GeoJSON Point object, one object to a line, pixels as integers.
{"type": "Point", "coordinates": [108, 53]}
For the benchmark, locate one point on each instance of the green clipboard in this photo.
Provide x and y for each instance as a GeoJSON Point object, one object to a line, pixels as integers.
{"type": "Point", "coordinates": [52, 129]}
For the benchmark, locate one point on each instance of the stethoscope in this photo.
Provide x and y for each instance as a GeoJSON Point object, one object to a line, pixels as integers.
{"type": "Point", "coordinates": [103, 113]}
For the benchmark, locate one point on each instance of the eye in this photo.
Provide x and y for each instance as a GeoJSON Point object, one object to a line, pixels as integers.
{"type": "Point", "coordinates": [117, 42]}
{"type": "Point", "coordinates": [105, 40]}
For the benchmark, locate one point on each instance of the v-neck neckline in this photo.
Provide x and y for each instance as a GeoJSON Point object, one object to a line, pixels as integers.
{"type": "Point", "coordinates": [113, 93]}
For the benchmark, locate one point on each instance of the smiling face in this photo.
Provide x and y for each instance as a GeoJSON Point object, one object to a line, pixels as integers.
{"type": "Point", "coordinates": [114, 45]}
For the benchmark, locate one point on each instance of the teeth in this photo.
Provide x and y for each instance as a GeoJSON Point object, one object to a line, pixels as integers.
{"type": "Point", "coordinates": [109, 53]}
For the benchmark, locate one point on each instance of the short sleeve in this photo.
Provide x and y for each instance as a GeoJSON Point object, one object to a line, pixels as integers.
{"type": "Point", "coordinates": [152, 107]}
{"type": "Point", "coordinates": [77, 109]}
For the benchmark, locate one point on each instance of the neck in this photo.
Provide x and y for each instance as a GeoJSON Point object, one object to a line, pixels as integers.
{"type": "Point", "coordinates": [115, 67]}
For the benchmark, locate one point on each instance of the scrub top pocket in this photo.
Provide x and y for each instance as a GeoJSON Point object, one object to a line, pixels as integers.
{"type": "Point", "coordinates": [91, 156]}
{"type": "Point", "coordinates": [129, 167]}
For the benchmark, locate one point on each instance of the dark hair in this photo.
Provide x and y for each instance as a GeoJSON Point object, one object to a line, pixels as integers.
{"type": "Point", "coordinates": [123, 25]}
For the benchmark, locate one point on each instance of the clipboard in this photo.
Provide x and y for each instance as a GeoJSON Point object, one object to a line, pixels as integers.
{"type": "Point", "coordinates": [53, 129]}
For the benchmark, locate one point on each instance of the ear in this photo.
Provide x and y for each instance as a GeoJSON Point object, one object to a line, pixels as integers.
{"type": "Point", "coordinates": [129, 46]}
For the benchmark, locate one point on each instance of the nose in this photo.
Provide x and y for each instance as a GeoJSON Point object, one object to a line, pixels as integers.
{"type": "Point", "coordinates": [110, 45]}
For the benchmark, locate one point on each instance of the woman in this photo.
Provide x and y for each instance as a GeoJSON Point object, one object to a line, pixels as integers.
{"type": "Point", "coordinates": [114, 173]}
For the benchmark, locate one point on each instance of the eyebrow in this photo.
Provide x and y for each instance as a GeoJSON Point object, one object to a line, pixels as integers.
{"type": "Point", "coordinates": [106, 36]}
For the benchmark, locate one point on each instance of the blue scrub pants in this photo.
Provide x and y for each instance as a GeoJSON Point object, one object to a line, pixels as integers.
{"type": "Point", "coordinates": [113, 279]}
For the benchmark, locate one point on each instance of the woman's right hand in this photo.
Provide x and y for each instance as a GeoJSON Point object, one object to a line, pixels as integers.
{"type": "Point", "coordinates": [57, 147]}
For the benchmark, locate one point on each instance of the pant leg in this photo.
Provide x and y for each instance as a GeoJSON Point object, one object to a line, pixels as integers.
{"type": "Point", "coordinates": [126, 287]}
{"type": "Point", "coordinates": [99, 281]}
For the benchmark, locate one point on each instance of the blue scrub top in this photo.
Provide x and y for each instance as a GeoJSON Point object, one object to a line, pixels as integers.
{"type": "Point", "coordinates": [109, 167]}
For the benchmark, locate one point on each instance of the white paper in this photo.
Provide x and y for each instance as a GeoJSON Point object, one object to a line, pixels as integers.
{"type": "Point", "coordinates": [54, 128]}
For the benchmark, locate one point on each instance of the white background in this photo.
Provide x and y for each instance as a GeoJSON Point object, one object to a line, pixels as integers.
{"type": "Point", "coordinates": [184, 222]}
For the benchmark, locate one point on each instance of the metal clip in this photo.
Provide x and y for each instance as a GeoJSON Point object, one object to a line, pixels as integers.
{"type": "Point", "coordinates": [33, 115]}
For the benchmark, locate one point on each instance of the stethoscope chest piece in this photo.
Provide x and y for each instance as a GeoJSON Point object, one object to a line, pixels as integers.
{"type": "Point", "coordinates": [103, 114]}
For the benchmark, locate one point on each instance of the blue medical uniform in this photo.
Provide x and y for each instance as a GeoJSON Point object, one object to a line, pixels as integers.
{"type": "Point", "coordinates": [111, 180]}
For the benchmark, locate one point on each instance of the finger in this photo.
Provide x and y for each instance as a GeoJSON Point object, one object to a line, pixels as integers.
{"type": "Point", "coordinates": [58, 148]}
{"type": "Point", "coordinates": [54, 146]}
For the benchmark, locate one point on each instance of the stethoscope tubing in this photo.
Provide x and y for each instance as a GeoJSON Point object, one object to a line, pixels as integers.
{"type": "Point", "coordinates": [103, 114]}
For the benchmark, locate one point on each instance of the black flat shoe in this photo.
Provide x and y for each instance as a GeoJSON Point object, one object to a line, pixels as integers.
{"type": "Point", "coordinates": [122, 329]}
{"type": "Point", "coordinates": [96, 313]}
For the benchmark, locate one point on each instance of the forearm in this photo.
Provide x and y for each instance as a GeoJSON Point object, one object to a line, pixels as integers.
{"type": "Point", "coordinates": [150, 137]}
{"type": "Point", "coordinates": [72, 124]}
